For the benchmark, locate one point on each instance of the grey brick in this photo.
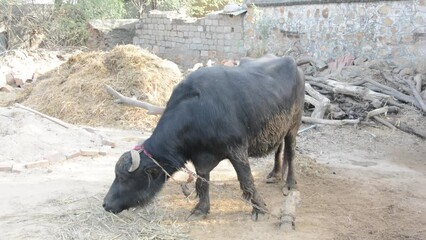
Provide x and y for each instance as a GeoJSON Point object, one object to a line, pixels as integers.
{"type": "Point", "coordinates": [180, 27]}
{"type": "Point", "coordinates": [204, 53]}
{"type": "Point", "coordinates": [226, 29]}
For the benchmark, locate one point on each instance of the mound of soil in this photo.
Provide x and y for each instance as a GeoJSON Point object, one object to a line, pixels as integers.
{"type": "Point", "coordinates": [75, 91]}
{"type": "Point", "coordinates": [27, 137]}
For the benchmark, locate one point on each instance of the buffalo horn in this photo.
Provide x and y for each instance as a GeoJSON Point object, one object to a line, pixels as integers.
{"type": "Point", "coordinates": [136, 160]}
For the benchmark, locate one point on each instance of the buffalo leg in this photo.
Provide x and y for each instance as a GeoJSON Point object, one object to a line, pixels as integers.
{"type": "Point", "coordinates": [276, 174]}
{"type": "Point", "coordinates": [242, 168]}
{"type": "Point", "coordinates": [289, 153]}
{"type": "Point", "coordinates": [206, 163]}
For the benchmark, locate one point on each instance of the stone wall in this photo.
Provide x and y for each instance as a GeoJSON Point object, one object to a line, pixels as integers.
{"type": "Point", "coordinates": [187, 41]}
{"type": "Point", "coordinates": [375, 29]}
{"type": "Point", "coordinates": [320, 28]}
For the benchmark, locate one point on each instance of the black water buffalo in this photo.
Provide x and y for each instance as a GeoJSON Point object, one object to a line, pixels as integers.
{"type": "Point", "coordinates": [218, 113]}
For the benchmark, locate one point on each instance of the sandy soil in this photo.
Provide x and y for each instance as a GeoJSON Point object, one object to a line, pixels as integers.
{"type": "Point", "coordinates": [355, 183]}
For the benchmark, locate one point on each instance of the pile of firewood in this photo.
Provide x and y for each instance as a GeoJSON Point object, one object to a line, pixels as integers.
{"type": "Point", "coordinates": [350, 90]}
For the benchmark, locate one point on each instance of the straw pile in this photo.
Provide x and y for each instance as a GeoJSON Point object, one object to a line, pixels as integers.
{"type": "Point", "coordinates": [85, 219]}
{"type": "Point", "coordinates": [75, 91]}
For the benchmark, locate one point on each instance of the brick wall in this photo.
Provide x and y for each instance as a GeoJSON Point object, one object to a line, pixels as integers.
{"type": "Point", "coordinates": [187, 41]}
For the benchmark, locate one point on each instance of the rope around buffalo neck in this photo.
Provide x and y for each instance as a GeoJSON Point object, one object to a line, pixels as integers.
{"type": "Point", "coordinates": [186, 170]}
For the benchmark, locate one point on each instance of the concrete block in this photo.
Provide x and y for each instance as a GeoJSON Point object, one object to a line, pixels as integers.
{"type": "Point", "coordinates": [220, 29]}
{"type": "Point", "coordinates": [103, 151]}
{"type": "Point", "coordinates": [6, 167]}
{"type": "Point", "coordinates": [37, 164]}
{"type": "Point", "coordinates": [73, 154]}
{"type": "Point", "coordinates": [227, 29]}
{"type": "Point", "coordinates": [89, 152]}
{"type": "Point", "coordinates": [9, 79]}
{"type": "Point", "coordinates": [18, 168]}
{"type": "Point", "coordinates": [180, 27]}
{"type": "Point", "coordinates": [7, 88]}
{"type": "Point", "coordinates": [108, 143]}
{"type": "Point", "coordinates": [56, 158]}
{"type": "Point", "coordinates": [204, 53]}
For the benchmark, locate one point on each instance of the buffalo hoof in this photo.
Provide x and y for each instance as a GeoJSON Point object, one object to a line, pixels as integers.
{"type": "Point", "coordinates": [289, 187]}
{"type": "Point", "coordinates": [273, 177]}
{"type": "Point", "coordinates": [273, 180]}
{"type": "Point", "coordinates": [196, 215]}
{"type": "Point", "coordinates": [257, 215]}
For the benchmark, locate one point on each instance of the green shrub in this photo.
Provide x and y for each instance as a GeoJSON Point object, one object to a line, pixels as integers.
{"type": "Point", "coordinates": [69, 23]}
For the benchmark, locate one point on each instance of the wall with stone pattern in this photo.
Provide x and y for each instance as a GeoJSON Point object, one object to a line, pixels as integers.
{"type": "Point", "coordinates": [320, 28]}
{"type": "Point", "coordinates": [375, 29]}
{"type": "Point", "coordinates": [188, 40]}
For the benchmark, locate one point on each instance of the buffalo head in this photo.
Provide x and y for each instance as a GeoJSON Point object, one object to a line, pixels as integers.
{"type": "Point", "coordinates": [137, 180]}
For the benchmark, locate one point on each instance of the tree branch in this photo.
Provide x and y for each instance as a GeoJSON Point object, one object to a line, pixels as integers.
{"type": "Point", "coordinates": [329, 122]}
{"type": "Point", "coordinates": [152, 109]}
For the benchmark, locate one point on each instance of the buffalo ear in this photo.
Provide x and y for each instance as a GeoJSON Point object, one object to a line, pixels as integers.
{"type": "Point", "coordinates": [154, 172]}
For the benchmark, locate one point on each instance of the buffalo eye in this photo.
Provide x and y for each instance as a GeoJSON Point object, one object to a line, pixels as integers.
{"type": "Point", "coordinates": [121, 179]}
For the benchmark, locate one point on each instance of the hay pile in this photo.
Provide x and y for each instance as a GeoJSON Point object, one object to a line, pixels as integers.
{"type": "Point", "coordinates": [75, 91]}
{"type": "Point", "coordinates": [85, 219]}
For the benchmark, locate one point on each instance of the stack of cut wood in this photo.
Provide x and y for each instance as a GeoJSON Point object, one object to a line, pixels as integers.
{"type": "Point", "coordinates": [351, 90]}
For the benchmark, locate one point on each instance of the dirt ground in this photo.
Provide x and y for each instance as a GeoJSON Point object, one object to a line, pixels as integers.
{"type": "Point", "coordinates": [355, 183]}
{"type": "Point", "coordinates": [364, 182]}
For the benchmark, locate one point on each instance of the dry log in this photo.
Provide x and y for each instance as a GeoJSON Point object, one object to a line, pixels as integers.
{"type": "Point", "coordinates": [384, 122]}
{"type": "Point", "coordinates": [355, 91]}
{"type": "Point", "coordinates": [419, 82]}
{"type": "Point", "coordinates": [323, 102]}
{"type": "Point", "coordinates": [318, 84]}
{"type": "Point", "coordinates": [416, 94]}
{"type": "Point", "coordinates": [311, 100]}
{"type": "Point", "coordinates": [391, 91]}
{"type": "Point", "coordinates": [330, 122]}
{"type": "Point", "coordinates": [55, 120]}
{"type": "Point", "coordinates": [288, 212]}
{"type": "Point", "coordinates": [396, 82]}
{"type": "Point", "coordinates": [398, 95]}
{"type": "Point", "coordinates": [381, 110]}
{"type": "Point", "coordinates": [152, 109]}
{"type": "Point", "coordinates": [402, 126]}
{"type": "Point", "coordinates": [378, 87]}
